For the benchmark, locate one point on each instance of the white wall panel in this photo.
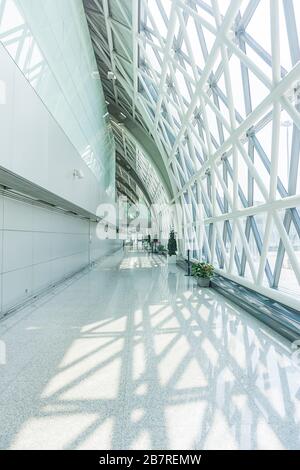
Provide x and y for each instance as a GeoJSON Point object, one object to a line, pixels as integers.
{"type": "Point", "coordinates": [39, 247]}
{"type": "Point", "coordinates": [17, 215]}
{"type": "Point", "coordinates": [17, 250]}
{"type": "Point", "coordinates": [42, 219]}
{"type": "Point", "coordinates": [41, 276]}
{"type": "Point", "coordinates": [42, 247]}
{"type": "Point", "coordinates": [29, 145]}
{"type": "Point", "coordinates": [51, 122]}
{"type": "Point", "coordinates": [1, 211]}
{"type": "Point", "coordinates": [7, 80]}
{"type": "Point", "coordinates": [16, 287]}
{"type": "Point", "coordinates": [1, 246]}
{"type": "Point", "coordinates": [35, 147]}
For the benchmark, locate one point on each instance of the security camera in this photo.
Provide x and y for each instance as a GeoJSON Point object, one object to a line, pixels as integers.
{"type": "Point", "coordinates": [111, 76]}
{"type": "Point", "coordinates": [78, 174]}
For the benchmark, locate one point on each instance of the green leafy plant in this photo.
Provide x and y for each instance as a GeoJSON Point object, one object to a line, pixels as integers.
{"type": "Point", "coordinates": [172, 244]}
{"type": "Point", "coordinates": [203, 270]}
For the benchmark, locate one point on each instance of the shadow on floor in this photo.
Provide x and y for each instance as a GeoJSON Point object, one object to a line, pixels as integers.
{"type": "Point", "coordinates": [134, 355]}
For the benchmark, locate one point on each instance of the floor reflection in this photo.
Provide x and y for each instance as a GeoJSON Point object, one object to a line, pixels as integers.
{"type": "Point", "coordinates": [135, 355]}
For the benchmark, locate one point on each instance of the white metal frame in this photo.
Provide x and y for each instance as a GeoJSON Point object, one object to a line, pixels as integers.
{"type": "Point", "coordinates": [207, 143]}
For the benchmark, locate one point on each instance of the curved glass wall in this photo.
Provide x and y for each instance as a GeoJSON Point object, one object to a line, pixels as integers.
{"type": "Point", "coordinates": [220, 81]}
{"type": "Point", "coordinates": [50, 43]}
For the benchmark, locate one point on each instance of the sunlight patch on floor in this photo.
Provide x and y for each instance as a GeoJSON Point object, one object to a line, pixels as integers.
{"type": "Point", "coordinates": [146, 360]}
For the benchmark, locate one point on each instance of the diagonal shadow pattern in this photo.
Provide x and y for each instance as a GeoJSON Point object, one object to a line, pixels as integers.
{"type": "Point", "coordinates": [135, 355]}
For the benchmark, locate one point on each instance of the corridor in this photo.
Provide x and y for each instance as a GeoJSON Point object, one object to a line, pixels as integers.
{"type": "Point", "coordinates": [132, 354]}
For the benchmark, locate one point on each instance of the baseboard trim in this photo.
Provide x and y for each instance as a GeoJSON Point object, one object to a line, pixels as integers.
{"type": "Point", "coordinates": [281, 318]}
{"type": "Point", "coordinates": [60, 283]}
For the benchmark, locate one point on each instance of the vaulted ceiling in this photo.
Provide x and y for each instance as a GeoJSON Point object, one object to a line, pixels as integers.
{"type": "Point", "coordinates": [209, 90]}
{"type": "Point", "coordinates": [114, 27]}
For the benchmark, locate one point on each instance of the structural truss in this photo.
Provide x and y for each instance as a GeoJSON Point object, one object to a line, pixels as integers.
{"type": "Point", "coordinates": [217, 86]}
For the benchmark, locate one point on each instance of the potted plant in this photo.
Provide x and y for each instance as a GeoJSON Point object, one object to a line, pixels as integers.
{"type": "Point", "coordinates": [172, 248]}
{"type": "Point", "coordinates": [203, 272]}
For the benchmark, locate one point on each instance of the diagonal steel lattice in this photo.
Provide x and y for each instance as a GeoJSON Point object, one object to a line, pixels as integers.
{"type": "Point", "coordinates": [217, 85]}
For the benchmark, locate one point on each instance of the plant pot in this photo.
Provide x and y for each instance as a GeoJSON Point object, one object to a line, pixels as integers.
{"type": "Point", "coordinates": [172, 259]}
{"type": "Point", "coordinates": [203, 281]}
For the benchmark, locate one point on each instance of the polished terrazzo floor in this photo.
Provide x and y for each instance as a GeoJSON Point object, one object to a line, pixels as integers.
{"type": "Point", "coordinates": [134, 355]}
